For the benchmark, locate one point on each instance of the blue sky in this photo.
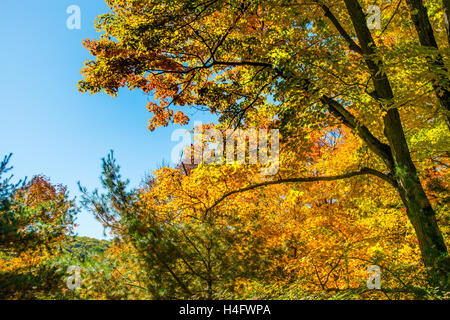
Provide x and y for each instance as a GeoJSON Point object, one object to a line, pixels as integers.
{"type": "Point", "coordinates": [49, 126]}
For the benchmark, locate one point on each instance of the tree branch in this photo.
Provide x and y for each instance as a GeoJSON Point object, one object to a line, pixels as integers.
{"type": "Point", "coordinates": [362, 171]}
{"type": "Point", "coordinates": [352, 44]}
{"type": "Point", "coordinates": [380, 81]}
{"type": "Point", "coordinates": [379, 148]}
{"type": "Point", "coordinates": [419, 16]}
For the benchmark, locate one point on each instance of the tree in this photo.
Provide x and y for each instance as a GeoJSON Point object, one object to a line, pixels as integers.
{"type": "Point", "coordinates": [39, 214]}
{"type": "Point", "coordinates": [318, 237]}
{"type": "Point", "coordinates": [184, 253]}
{"type": "Point", "coordinates": [6, 187]}
{"type": "Point", "coordinates": [35, 219]}
{"type": "Point", "coordinates": [305, 64]}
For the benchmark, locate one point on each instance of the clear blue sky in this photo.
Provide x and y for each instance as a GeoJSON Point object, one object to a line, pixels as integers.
{"type": "Point", "coordinates": [49, 126]}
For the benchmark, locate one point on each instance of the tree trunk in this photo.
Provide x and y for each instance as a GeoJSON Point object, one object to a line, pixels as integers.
{"type": "Point", "coordinates": [418, 207]}
{"type": "Point", "coordinates": [419, 16]}
{"type": "Point", "coordinates": [419, 210]}
{"type": "Point", "coordinates": [446, 4]}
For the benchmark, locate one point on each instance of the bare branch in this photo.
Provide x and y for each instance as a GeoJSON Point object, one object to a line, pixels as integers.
{"type": "Point", "coordinates": [362, 171]}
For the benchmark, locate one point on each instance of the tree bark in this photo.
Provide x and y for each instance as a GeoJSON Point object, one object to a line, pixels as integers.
{"type": "Point", "coordinates": [446, 4]}
{"type": "Point", "coordinates": [418, 207]}
{"type": "Point", "coordinates": [419, 16]}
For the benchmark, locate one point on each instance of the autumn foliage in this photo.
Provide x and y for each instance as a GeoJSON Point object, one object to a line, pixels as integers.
{"type": "Point", "coordinates": [363, 116]}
